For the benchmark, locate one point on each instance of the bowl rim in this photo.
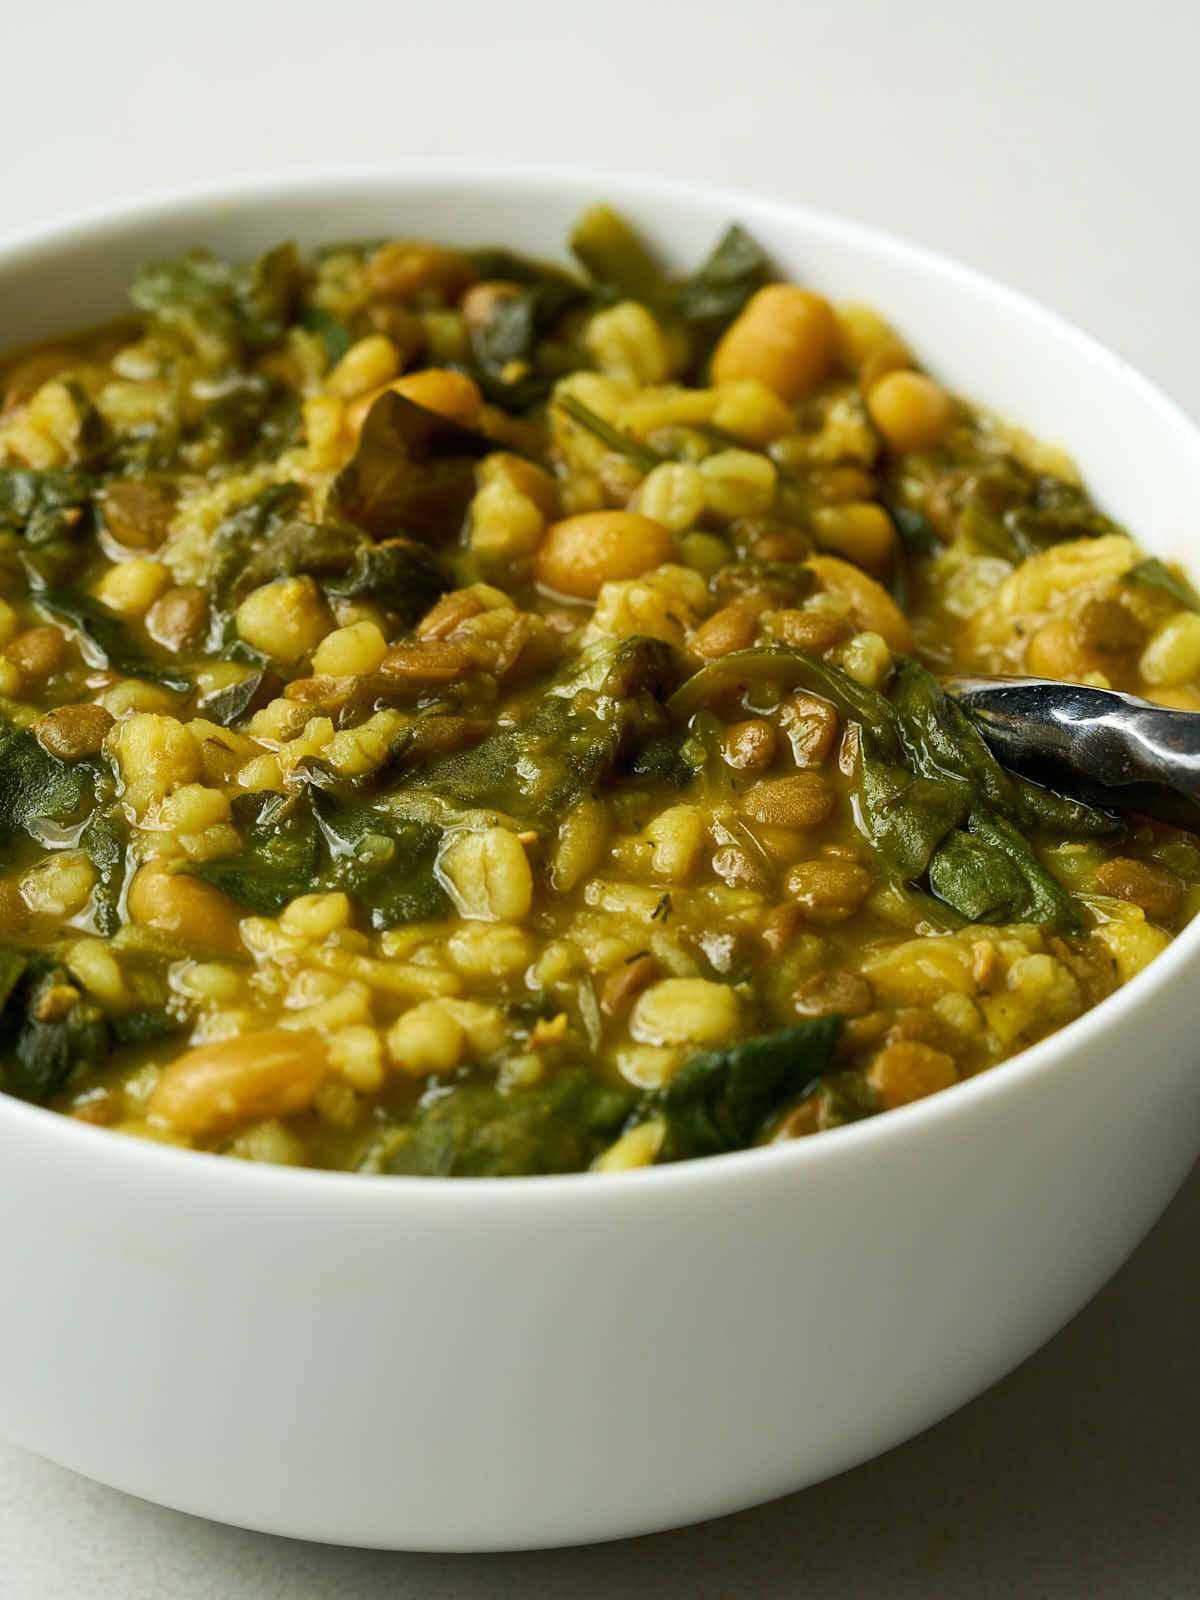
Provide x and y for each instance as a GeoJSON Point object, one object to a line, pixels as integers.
{"type": "Point", "coordinates": [167, 1163]}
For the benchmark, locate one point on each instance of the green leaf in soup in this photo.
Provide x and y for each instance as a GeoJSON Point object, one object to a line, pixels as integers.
{"type": "Point", "coordinates": [718, 290]}
{"type": "Point", "coordinates": [977, 879]}
{"type": "Point", "coordinates": [244, 531]}
{"type": "Point", "coordinates": [45, 506]}
{"type": "Point", "coordinates": [333, 333]}
{"type": "Point", "coordinates": [942, 742]}
{"type": "Point", "coordinates": [476, 1131]}
{"type": "Point", "coordinates": [906, 815]}
{"type": "Point", "coordinates": [1155, 574]}
{"type": "Point", "coordinates": [720, 1099]}
{"type": "Point", "coordinates": [1043, 900]}
{"type": "Point", "coordinates": [109, 637]}
{"type": "Point", "coordinates": [642, 456]}
{"type": "Point", "coordinates": [386, 865]}
{"type": "Point", "coordinates": [617, 260]}
{"type": "Point", "coordinates": [219, 309]}
{"type": "Point", "coordinates": [569, 743]}
{"type": "Point", "coordinates": [290, 548]}
{"type": "Point", "coordinates": [280, 857]}
{"type": "Point", "coordinates": [36, 787]}
{"type": "Point", "coordinates": [144, 1027]}
{"type": "Point", "coordinates": [229, 705]}
{"type": "Point", "coordinates": [398, 574]}
{"type": "Point", "coordinates": [103, 839]}
{"type": "Point", "coordinates": [49, 1031]}
{"type": "Point", "coordinates": [513, 334]}
{"type": "Point", "coordinates": [413, 473]}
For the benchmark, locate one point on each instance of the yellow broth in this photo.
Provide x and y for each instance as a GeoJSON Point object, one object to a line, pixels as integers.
{"type": "Point", "coordinates": [458, 714]}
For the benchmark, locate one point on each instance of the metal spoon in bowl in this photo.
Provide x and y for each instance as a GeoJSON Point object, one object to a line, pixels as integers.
{"type": "Point", "coordinates": [1111, 749]}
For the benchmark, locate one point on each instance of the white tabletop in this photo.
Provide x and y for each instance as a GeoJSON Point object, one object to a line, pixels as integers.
{"type": "Point", "coordinates": [1053, 142]}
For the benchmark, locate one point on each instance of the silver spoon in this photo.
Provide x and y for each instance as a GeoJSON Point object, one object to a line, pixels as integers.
{"type": "Point", "coordinates": [1111, 749]}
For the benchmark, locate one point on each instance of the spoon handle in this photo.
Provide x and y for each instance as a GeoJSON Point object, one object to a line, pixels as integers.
{"type": "Point", "coordinates": [1112, 749]}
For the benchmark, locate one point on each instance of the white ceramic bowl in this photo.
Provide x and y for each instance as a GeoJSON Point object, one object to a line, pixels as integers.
{"type": "Point", "coordinates": [434, 1364]}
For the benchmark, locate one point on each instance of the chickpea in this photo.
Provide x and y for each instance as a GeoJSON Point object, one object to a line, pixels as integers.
{"type": "Point", "coordinates": [750, 745]}
{"type": "Point", "coordinates": [186, 907]}
{"type": "Point", "coordinates": [907, 1071]}
{"type": "Point", "coordinates": [786, 337]}
{"type": "Point", "coordinates": [1055, 651]}
{"type": "Point", "coordinates": [72, 733]}
{"type": "Point", "coordinates": [354, 650]}
{"type": "Point", "coordinates": [911, 411]}
{"type": "Point", "coordinates": [858, 530]}
{"type": "Point", "coordinates": [406, 268]}
{"type": "Point", "coordinates": [874, 609]}
{"type": "Point", "coordinates": [526, 477]}
{"type": "Point", "coordinates": [215, 1086]}
{"type": "Point", "coordinates": [731, 628]}
{"type": "Point", "coordinates": [367, 364]}
{"type": "Point", "coordinates": [579, 555]}
{"type": "Point", "coordinates": [178, 616]}
{"type": "Point", "coordinates": [451, 394]}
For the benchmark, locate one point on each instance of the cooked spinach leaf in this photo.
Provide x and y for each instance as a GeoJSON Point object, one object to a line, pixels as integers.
{"type": "Point", "coordinates": [386, 865]}
{"type": "Point", "coordinates": [314, 840]}
{"type": "Point", "coordinates": [36, 787]}
{"type": "Point", "coordinates": [280, 857]}
{"type": "Point", "coordinates": [244, 531]}
{"type": "Point", "coordinates": [109, 637]}
{"type": "Point", "coordinates": [1157, 575]}
{"type": "Point", "coordinates": [144, 1027]}
{"type": "Point", "coordinates": [572, 739]}
{"type": "Point", "coordinates": [45, 505]}
{"type": "Point", "coordinates": [977, 879]}
{"type": "Point", "coordinates": [104, 841]}
{"type": "Point", "coordinates": [402, 576]}
{"type": "Point", "coordinates": [218, 309]}
{"type": "Point", "coordinates": [720, 1099]}
{"type": "Point", "coordinates": [333, 333]}
{"type": "Point", "coordinates": [514, 367]}
{"type": "Point", "coordinates": [718, 290]}
{"type": "Point", "coordinates": [1015, 512]}
{"type": "Point", "coordinates": [230, 705]}
{"type": "Point", "coordinates": [923, 768]}
{"type": "Point", "coordinates": [413, 473]}
{"type": "Point", "coordinates": [642, 456]}
{"type": "Point", "coordinates": [617, 260]}
{"type": "Point", "coordinates": [476, 1131]}
{"type": "Point", "coordinates": [48, 1030]}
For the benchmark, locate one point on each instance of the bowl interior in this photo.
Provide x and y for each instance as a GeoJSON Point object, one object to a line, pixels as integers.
{"type": "Point", "coordinates": [1138, 453]}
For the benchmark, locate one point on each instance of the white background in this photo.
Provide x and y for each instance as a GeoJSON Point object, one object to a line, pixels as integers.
{"type": "Point", "coordinates": [1054, 144]}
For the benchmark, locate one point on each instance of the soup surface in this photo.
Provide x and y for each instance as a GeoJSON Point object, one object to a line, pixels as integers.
{"type": "Point", "coordinates": [464, 716]}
